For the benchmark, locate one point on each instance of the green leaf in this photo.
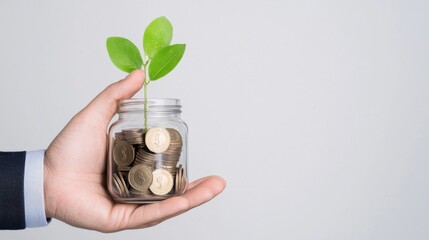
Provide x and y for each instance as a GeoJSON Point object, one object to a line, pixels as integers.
{"type": "Point", "coordinates": [124, 54]}
{"type": "Point", "coordinates": [158, 34]}
{"type": "Point", "coordinates": [165, 60]}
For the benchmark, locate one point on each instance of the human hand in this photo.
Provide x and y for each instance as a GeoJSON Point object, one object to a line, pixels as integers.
{"type": "Point", "coordinates": [75, 165]}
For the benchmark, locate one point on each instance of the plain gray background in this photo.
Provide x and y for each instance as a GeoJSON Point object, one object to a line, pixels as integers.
{"type": "Point", "coordinates": [315, 112]}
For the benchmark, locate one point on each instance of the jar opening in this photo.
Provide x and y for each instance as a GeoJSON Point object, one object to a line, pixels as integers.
{"type": "Point", "coordinates": [154, 105]}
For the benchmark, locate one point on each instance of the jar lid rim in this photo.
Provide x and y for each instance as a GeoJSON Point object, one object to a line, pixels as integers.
{"type": "Point", "coordinates": [166, 101]}
{"type": "Point", "coordinates": [154, 105]}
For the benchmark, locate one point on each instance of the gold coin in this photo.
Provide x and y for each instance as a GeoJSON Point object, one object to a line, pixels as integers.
{"type": "Point", "coordinates": [127, 193]}
{"type": "Point", "coordinates": [119, 136]}
{"type": "Point", "coordinates": [175, 136]}
{"type": "Point", "coordinates": [179, 187]}
{"type": "Point", "coordinates": [116, 184]}
{"type": "Point", "coordinates": [162, 182]}
{"type": "Point", "coordinates": [176, 184]}
{"type": "Point", "coordinates": [183, 180]}
{"type": "Point", "coordinates": [123, 153]}
{"type": "Point", "coordinates": [134, 135]}
{"type": "Point", "coordinates": [139, 193]}
{"type": "Point", "coordinates": [157, 139]}
{"type": "Point", "coordinates": [140, 177]}
{"type": "Point", "coordinates": [124, 169]}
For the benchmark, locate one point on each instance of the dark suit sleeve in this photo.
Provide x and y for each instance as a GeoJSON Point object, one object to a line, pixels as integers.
{"type": "Point", "coordinates": [12, 212]}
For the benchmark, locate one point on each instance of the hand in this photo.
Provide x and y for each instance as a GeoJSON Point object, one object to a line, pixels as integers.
{"type": "Point", "coordinates": [74, 175]}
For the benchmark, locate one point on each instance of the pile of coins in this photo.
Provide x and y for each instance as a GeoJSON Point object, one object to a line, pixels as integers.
{"type": "Point", "coordinates": [146, 163]}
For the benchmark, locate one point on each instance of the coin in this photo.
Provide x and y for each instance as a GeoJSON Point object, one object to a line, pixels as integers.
{"type": "Point", "coordinates": [126, 192]}
{"type": "Point", "coordinates": [176, 138]}
{"type": "Point", "coordinates": [143, 156]}
{"type": "Point", "coordinates": [140, 177]}
{"type": "Point", "coordinates": [139, 193]}
{"type": "Point", "coordinates": [119, 136]}
{"type": "Point", "coordinates": [162, 182]}
{"type": "Point", "coordinates": [134, 135]}
{"type": "Point", "coordinates": [182, 180]}
{"type": "Point", "coordinates": [157, 139]}
{"type": "Point", "coordinates": [117, 185]}
{"type": "Point", "coordinates": [179, 180]}
{"type": "Point", "coordinates": [120, 183]}
{"type": "Point", "coordinates": [123, 153]}
{"type": "Point", "coordinates": [176, 182]}
{"type": "Point", "coordinates": [124, 169]}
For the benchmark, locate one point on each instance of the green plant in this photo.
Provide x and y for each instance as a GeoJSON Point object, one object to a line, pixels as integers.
{"type": "Point", "coordinates": [159, 56]}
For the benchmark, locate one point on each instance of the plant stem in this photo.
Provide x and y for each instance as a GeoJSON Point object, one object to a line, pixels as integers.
{"type": "Point", "coordinates": [145, 97]}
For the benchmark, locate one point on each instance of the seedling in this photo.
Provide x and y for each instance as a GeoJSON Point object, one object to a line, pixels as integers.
{"type": "Point", "coordinates": [159, 56]}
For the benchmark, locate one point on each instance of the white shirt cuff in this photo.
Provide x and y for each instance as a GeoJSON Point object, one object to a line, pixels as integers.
{"type": "Point", "coordinates": [34, 198]}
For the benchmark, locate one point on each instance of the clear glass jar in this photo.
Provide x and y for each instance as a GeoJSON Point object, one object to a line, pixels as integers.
{"type": "Point", "coordinates": [147, 158]}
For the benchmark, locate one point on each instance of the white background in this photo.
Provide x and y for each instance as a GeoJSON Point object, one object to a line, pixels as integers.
{"type": "Point", "coordinates": [315, 112]}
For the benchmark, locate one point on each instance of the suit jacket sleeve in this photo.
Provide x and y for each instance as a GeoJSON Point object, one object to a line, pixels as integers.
{"type": "Point", "coordinates": [12, 211]}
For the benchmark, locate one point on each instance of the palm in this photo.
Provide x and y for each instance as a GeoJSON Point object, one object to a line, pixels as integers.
{"type": "Point", "coordinates": [75, 176]}
{"type": "Point", "coordinates": [77, 180]}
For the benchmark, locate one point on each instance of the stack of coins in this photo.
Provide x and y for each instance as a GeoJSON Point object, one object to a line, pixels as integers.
{"type": "Point", "coordinates": [134, 136]}
{"type": "Point", "coordinates": [120, 184]}
{"type": "Point", "coordinates": [145, 157]}
{"type": "Point", "coordinates": [146, 163]}
{"type": "Point", "coordinates": [180, 180]}
{"type": "Point", "coordinates": [120, 136]}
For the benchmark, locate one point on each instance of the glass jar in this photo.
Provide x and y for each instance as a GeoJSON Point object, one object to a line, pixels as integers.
{"type": "Point", "coordinates": [147, 158]}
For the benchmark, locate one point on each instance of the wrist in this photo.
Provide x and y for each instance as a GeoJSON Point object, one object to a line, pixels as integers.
{"type": "Point", "coordinates": [48, 194]}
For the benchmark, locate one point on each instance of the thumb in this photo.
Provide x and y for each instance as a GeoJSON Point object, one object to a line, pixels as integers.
{"type": "Point", "coordinates": [102, 109]}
